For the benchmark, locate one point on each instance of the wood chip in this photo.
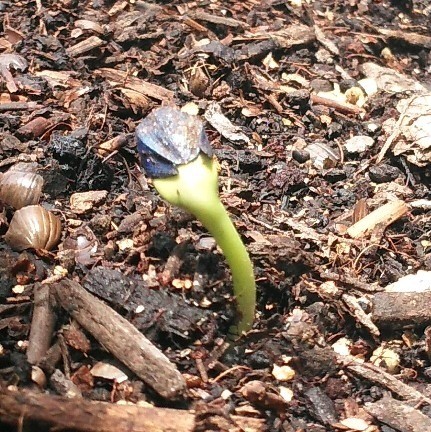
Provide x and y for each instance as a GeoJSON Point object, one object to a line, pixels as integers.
{"type": "Point", "coordinates": [400, 416]}
{"type": "Point", "coordinates": [378, 219]}
{"type": "Point", "coordinates": [84, 202]}
{"type": "Point", "coordinates": [123, 79]}
{"type": "Point", "coordinates": [219, 20]}
{"type": "Point", "coordinates": [120, 338]}
{"type": "Point", "coordinates": [397, 309]}
{"type": "Point", "coordinates": [84, 46]}
{"type": "Point", "coordinates": [378, 376]}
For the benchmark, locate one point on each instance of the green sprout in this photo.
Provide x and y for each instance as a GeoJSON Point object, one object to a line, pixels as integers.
{"type": "Point", "coordinates": [176, 153]}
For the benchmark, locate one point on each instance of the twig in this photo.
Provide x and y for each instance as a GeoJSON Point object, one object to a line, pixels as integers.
{"type": "Point", "coordinates": [396, 132]}
{"type": "Point", "coordinates": [379, 218]}
{"type": "Point", "coordinates": [378, 376]}
{"type": "Point", "coordinates": [121, 338]}
{"type": "Point", "coordinates": [19, 106]}
{"type": "Point", "coordinates": [359, 314]}
{"type": "Point", "coordinates": [338, 106]}
{"type": "Point", "coordinates": [62, 413]}
{"type": "Point", "coordinates": [42, 325]}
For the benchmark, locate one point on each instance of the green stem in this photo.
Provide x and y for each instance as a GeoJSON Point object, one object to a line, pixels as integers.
{"type": "Point", "coordinates": [195, 189]}
{"type": "Point", "coordinates": [220, 226]}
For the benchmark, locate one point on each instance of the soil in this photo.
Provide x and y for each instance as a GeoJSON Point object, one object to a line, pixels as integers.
{"type": "Point", "coordinates": [85, 74]}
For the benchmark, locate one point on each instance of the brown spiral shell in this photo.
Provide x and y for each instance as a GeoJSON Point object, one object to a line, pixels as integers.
{"type": "Point", "coordinates": [33, 227]}
{"type": "Point", "coordinates": [20, 188]}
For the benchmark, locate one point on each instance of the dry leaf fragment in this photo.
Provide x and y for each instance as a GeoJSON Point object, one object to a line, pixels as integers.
{"type": "Point", "coordinates": [389, 80]}
{"type": "Point", "coordinates": [414, 129]}
{"type": "Point", "coordinates": [223, 125]}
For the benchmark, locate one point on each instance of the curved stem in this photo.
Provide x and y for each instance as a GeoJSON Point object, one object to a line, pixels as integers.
{"type": "Point", "coordinates": [220, 226]}
{"type": "Point", "coordinates": [195, 189]}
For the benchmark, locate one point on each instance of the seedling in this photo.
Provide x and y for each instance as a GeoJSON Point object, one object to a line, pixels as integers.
{"type": "Point", "coordinates": [176, 154]}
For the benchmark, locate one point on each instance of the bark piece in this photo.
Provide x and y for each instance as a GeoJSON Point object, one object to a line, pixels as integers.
{"type": "Point", "coordinates": [123, 79]}
{"type": "Point", "coordinates": [402, 417]}
{"type": "Point", "coordinates": [397, 309]}
{"type": "Point", "coordinates": [378, 376]}
{"type": "Point", "coordinates": [42, 325]}
{"type": "Point", "coordinates": [34, 128]}
{"type": "Point", "coordinates": [409, 37]}
{"type": "Point", "coordinates": [60, 413]}
{"type": "Point", "coordinates": [84, 46]}
{"type": "Point", "coordinates": [121, 338]}
{"type": "Point", "coordinates": [323, 408]}
{"type": "Point", "coordinates": [161, 312]}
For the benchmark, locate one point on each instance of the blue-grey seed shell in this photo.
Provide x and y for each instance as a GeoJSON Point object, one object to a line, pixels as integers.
{"type": "Point", "coordinates": [168, 137]}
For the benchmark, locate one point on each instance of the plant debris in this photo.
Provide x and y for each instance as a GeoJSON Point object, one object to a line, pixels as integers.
{"type": "Point", "coordinates": [318, 114]}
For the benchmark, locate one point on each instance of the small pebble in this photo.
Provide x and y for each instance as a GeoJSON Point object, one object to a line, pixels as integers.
{"type": "Point", "coordinates": [358, 144]}
{"type": "Point", "coordinates": [373, 128]}
{"type": "Point", "coordinates": [321, 85]}
{"type": "Point", "coordinates": [301, 156]}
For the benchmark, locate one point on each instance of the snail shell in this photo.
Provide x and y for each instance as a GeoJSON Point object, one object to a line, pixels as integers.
{"type": "Point", "coordinates": [20, 188]}
{"type": "Point", "coordinates": [33, 227]}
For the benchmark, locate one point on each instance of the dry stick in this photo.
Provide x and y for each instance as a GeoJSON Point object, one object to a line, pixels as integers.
{"type": "Point", "coordinates": [42, 324]}
{"type": "Point", "coordinates": [121, 339]}
{"type": "Point", "coordinates": [381, 217]}
{"type": "Point", "coordinates": [25, 408]}
{"type": "Point", "coordinates": [338, 106]}
{"type": "Point", "coordinates": [19, 106]}
{"type": "Point", "coordinates": [84, 46]}
{"type": "Point", "coordinates": [59, 413]}
{"type": "Point", "coordinates": [378, 376]}
{"type": "Point", "coordinates": [359, 314]}
{"type": "Point", "coordinates": [400, 416]}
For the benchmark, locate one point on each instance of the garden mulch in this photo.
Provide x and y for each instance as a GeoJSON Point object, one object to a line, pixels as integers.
{"type": "Point", "coordinates": [123, 325]}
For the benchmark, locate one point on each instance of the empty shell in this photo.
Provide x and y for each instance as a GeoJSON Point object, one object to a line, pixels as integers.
{"type": "Point", "coordinates": [20, 188]}
{"type": "Point", "coordinates": [33, 227]}
{"type": "Point", "coordinates": [168, 137]}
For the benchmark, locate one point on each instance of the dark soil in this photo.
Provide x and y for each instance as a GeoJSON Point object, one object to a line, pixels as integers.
{"type": "Point", "coordinates": [95, 69]}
